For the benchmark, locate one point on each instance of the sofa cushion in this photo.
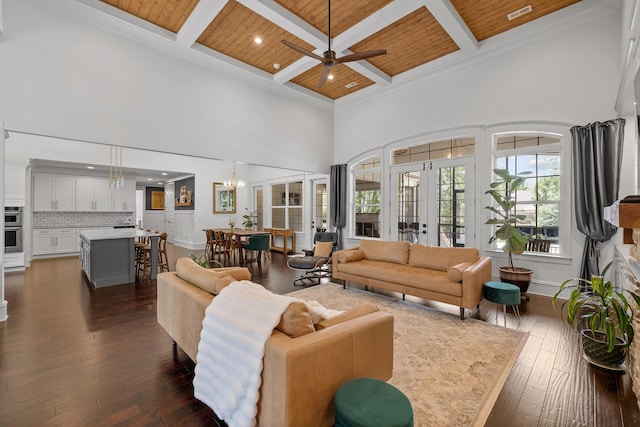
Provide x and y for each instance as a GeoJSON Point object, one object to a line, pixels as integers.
{"type": "Point", "coordinates": [350, 255]}
{"type": "Point", "coordinates": [323, 249]}
{"type": "Point", "coordinates": [204, 278]}
{"type": "Point", "coordinates": [296, 320]}
{"type": "Point", "coordinates": [415, 277]}
{"type": "Point", "coordinates": [352, 313]}
{"type": "Point", "coordinates": [454, 273]}
{"type": "Point", "coordinates": [440, 258]}
{"type": "Point", "coordinates": [378, 250]}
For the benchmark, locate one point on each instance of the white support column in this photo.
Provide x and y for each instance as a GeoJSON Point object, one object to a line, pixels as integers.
{"type": "Point", "coordinates": [3, 302]}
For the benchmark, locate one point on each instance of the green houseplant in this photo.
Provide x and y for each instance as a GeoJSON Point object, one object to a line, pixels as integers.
{"type": "Point", "coordinates": [505, 220]}
{"type": "Point", "coordinates": [602, 315]}
{"type": "Point", "coordinates": [250, 218]}
{"type": "Point", "coordinates": [206, 263]}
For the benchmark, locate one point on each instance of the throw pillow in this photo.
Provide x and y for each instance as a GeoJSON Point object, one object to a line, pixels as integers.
{"type": "Point", "coordinates": [350, 255]}
{"type": "Point", "coordinates": [323, 249]}
{"type": "Point", "coordinates": [352, 313]}
{"type": "Point", "coordinates": [296, 320]}
{"type": "Point", "coordinates": [454, 273]}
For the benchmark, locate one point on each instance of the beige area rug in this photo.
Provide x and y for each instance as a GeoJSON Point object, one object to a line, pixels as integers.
{"type": "Point", "coordinates": [451, 370]}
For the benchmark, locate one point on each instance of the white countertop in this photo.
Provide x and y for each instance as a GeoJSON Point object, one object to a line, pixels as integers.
{"type": "Point", "coordinates": [121, 233]}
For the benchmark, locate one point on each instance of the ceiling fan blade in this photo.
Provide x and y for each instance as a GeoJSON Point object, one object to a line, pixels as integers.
{"type": "Point", "coordinates": [324, 76]}
{"type": "Point", "coordinates": [361, 55]}
{"type": "Point", "coordinates": [302, 51]}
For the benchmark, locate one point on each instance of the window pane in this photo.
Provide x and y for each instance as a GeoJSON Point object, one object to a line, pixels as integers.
{"type": "Point", "coordinates": [278, 195]}
{"type": "Point", "coordinates": [433, 150]}
{"type": "Point", "coordinates": [295, 193]}
{"type": "Point", "coordinates": [514, 142]}
{"type": "Point", "coordinates": [372, 163]}
{"type": "Point", "coordinates": [295, 219]}
{"type": "Point", "coordinates": [278, 218]}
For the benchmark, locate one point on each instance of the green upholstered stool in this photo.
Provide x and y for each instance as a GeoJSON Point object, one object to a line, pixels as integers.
{"type": "Point", "coordinates": [368, 402]}
{"type": "Point", "coordinates": [505, 294]}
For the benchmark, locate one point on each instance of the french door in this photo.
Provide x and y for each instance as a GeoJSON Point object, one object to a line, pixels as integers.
{"type": "Point", "coordinates": [434, 203]}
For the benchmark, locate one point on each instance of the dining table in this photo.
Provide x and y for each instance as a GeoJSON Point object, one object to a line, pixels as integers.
{"type": "Point", "coordinates": [241, 235]}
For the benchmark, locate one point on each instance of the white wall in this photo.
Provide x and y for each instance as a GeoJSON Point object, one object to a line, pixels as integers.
{"type": "Point", "coordinates": [66, 78]}
{"type": "Point", "coordinates": [570, 79]}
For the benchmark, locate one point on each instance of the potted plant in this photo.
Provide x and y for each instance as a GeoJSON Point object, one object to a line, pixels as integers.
{"type": "Point", "coordinates": [250, 218]}
{"type": "Point", "coordinates": [505, 221]}
{"type": "Point", "coordinates": [206, 263]}
{"type": "Point", "coordinates": [603, 317]}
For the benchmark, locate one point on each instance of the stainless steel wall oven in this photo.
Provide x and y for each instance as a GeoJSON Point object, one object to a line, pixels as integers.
{"type": "Point", "coordinates": [12, 229]}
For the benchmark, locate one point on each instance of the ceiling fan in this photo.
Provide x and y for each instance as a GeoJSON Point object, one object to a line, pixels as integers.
{"type": "Point", "coordinates": [329, 59]}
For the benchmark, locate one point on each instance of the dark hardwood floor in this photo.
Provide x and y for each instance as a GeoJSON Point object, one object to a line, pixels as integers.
{"type": "Point", "coordinates": [71, 355]}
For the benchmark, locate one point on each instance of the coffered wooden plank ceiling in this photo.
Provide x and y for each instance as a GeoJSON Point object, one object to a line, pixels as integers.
{"type": "Point", "coordinates": [419, 35]}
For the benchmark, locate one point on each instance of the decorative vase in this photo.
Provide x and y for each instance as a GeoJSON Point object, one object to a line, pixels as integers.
{"type": "Point", "coordinates": [595, 347]}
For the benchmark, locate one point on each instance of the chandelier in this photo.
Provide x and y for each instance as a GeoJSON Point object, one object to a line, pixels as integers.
{"type": "Point", "coordinates": [234, 182]}
{"type": "Point", "coordinates": [116, 180]}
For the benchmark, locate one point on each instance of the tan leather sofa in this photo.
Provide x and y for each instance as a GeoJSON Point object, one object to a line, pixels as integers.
{"type": "Point", "coordinates": [301, 375]}
{"type": "Point", "coordinates": [450, 275]}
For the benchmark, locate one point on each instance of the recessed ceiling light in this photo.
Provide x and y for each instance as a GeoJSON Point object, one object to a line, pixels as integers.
{"type": "Point", "coordinates": [276, 66]}
{"type": "Point", "coordinates": [330, 76]}
{"type": "Point", "coordinates": [164, 174]}
{"type": "Point", "coordinates": [91, 167]}
{"type": "Point", "coordinates": [159, 183]}
{"type": "Point", "coordinates": [149, 179]}
{"type": "Point", "coordinates": [257, 40]}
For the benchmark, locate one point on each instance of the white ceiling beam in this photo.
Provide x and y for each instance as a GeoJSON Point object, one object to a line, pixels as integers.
{"type": "Point", "coordinates": [300, 66]}
{"type": "Point", "coordinates": [199, 20]}
{"type": "Point", "coordinates": [370, 71]}
{"type": "Point", "coordinates": [374, 23]}
{"type": "Point", "coordinates": [449, 18]}
{"type": "Point", "coordinates": [286, 20]}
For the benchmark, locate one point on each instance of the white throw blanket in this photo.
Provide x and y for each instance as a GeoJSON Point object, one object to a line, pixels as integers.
{"type": "Point", "coordinates": [236, 326]}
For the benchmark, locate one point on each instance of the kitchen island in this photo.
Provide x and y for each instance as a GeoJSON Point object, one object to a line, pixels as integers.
{"type": "Point", "coordinates": [108, 255]}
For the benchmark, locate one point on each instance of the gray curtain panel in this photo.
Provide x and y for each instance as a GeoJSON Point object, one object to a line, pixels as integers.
{"type": "Point", "coordinates": [338, 205]}
{"type": "Point", "coordinates": [597, 155]}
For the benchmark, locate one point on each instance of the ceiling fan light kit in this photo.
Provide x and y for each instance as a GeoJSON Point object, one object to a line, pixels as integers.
{"type": "Point", "coordinates": [329, 58]}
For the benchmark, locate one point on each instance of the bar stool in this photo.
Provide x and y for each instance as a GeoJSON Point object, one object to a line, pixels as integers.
{"type": "Point", "coordinates": [163, 262]}
{"type": "Point", "coordinates": [505, 294]}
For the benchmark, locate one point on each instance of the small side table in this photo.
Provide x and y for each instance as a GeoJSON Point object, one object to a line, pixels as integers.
{"type": "Point", "coordinates": [505, 294]}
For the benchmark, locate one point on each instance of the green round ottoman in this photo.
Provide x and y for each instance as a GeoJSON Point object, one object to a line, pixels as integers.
{"type": "Point", "coordinates": [505, 294]}
{"type": "Point", "coordinates": [368, 402]}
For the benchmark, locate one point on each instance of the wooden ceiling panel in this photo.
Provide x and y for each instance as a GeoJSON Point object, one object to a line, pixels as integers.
{"type": "Point", "coordinates": [410, 42]}
{"type": "Point", "coordinates": [487, 18]}
{"type": "Point", "coordinates": [168, 14]}
{"type": "Point", "coordinates": [234, 29]}
{"type": "Point", "coordinates": [344, 13]}
{"type": "Point", "coordinates": [335, 88]}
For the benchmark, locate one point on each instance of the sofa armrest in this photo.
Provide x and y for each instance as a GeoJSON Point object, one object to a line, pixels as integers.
{"type": "Point", "coordinates": [473, 279]}
{"type": "Point", "coordinates": [180, 309]}
{"type": "Point", "coordinates": [301, 375]}
{"type": "Point", "coordinates": [335, 256]}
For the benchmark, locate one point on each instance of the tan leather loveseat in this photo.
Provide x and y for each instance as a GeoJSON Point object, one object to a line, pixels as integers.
{"type": "Point", "coordinates": [301, 374]}
{"type": "Point", "coordinates": [450, 275]}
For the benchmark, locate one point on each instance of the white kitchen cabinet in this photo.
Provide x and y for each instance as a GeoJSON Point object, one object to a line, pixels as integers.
{"type": "Point", "coordinates": [124, 198]}
{"type": "Point", "coordinates": [54, 193]}
{"type": "Point", "coordinates": [93, 195]}
{"type": "Point", "coordinates": [54, 241]}
{"type": "Point", "coordinates": [15, 259]}
{"type": "Point", "coordinates": [14, 185]}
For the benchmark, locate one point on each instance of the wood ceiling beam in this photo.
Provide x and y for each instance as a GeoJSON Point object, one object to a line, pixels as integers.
{"type": "Point", "coordinates": [300, 66]}
{"type": "Point", "coordinates": [199, 20]}
{"type": "Point", "coordinates": [450, 20]}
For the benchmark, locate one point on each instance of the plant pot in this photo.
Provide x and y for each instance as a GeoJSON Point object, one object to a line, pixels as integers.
{"type": "Point", "coordinates": [594, 345]}
{"type": "Point", "coordinates": [521, 277]}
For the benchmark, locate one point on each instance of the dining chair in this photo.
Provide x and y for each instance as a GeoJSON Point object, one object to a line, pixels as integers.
{"type": "Point", "coordinates": [209, 249]}
{"type": "Point", "coordinates": [260, 244]}
{"type": "Point", "coordinates": [163, 261]}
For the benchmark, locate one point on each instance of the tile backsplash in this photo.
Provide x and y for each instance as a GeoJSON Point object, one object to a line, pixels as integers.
{"type": "Point", "coordinates": [81, 219]}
